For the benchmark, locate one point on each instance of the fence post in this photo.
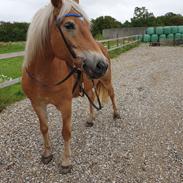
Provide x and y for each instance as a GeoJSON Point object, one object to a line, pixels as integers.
{"type": "Point", "coordinates": [117, 40]}
{"type": "Point", "coordinates": [108, 44]}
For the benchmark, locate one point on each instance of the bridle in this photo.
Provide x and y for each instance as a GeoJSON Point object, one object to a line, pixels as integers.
{"type": "Point", "coordinates": [73, 69]}
{"type": "Point", "coordinates": [73, 54]}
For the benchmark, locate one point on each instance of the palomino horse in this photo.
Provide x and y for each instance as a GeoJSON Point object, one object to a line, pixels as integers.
{"type": "Point", "coordinates": [60, 48]}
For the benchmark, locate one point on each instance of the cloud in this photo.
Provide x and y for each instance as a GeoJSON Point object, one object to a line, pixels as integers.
{"type": "Point", "coordinates": [123, 9]}
{"type": "Point", "coordinates": [18, 10]}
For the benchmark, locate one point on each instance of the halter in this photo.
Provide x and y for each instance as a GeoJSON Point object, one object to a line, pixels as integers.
{"type": "Point", "coordinates": [73, 70]}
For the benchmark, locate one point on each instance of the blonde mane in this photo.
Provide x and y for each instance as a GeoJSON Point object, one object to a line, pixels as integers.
{"type": "Point", "coordinates": [39, 29]}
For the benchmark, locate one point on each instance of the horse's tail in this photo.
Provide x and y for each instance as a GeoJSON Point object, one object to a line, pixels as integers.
{"type": "Point", "coordinates": [102, 92]}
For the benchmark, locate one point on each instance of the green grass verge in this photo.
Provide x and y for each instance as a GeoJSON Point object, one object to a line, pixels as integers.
{"type": "Point", "coordinates": [10, 95]}
{"type": "Point", "coordinates": [117, 52]}
{"type": "Point", "coordinates": [11, 67]}
{"type": "Point", "coordinates": [11, 47]}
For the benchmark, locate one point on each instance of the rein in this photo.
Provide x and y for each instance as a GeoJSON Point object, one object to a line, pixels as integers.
{"type": "Point", "coordinates": [77, 83]}
{"type": "Point", "coordinates": [74, 70]}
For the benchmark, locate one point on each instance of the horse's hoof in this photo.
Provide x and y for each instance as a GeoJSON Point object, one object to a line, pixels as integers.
{"type": "Point", "coordinates": [116, 116]}
{"type": "Point", "coordinates": [65, 169]}
{"type": "Point", "coordinates": [46, 160]}
{"type": "Point", "coordinates": [89, 124]}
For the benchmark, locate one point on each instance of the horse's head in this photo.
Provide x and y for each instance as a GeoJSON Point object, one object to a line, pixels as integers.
{"type": "Point", "coordinates": [72, 40]}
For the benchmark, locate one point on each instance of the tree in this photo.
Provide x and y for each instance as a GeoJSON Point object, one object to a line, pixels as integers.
{"type": "Point", "coordinates": [13, 31]}
{"type": "Point", "coordinates": [127, 24]}
{"type": "Point", "coordinates": [142, 18]}
{"type": "Point", "coordinates": [170, 19]}
{"type": "Point", "coordinates": [104, 22]}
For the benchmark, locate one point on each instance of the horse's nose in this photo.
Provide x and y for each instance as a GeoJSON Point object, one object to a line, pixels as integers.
{"type": "Point", "coordinates": [101, 67]}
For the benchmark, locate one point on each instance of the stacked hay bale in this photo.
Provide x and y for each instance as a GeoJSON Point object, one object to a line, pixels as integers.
{"type": "Point", "coordinates": [167, 34]}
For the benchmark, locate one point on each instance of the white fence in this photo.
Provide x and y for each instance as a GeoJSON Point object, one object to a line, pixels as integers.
{"type": "Point", "coordinates": [110, 44]}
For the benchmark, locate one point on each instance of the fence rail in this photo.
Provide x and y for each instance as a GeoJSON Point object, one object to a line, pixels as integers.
{"type": "Point", "coordinates": [110, 44]}
{"type": "Point", "coordinates": [119, 42]}
{"type": "Point", "coordinates": [12, 55]}
{"type": "Point", "coordinates": [10, 83]}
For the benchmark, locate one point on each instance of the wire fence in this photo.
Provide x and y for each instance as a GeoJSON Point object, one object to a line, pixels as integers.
{"type": "Point", "coordinates": [110, 44]}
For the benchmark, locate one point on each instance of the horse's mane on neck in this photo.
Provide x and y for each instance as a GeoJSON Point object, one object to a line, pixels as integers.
{"type": "Point", "coordinates": [38, 37]}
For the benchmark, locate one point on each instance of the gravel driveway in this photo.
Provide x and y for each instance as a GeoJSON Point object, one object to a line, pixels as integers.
{"type": "Point", "coordinates": [145, 146]}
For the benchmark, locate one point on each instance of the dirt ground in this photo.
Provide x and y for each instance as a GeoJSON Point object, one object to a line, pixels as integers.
{"type": "Point", "coordinates": [144, 146]}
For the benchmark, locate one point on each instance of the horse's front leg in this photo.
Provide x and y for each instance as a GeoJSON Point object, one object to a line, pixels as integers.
{"type": "Point", "coordinates": [65, 109]}
{"type": "Point", "coordinates": [41, 112]}
{"type": "Point", "coordinates": [91, 118]}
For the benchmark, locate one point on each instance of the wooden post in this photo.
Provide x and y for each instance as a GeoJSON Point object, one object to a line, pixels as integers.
{"type": "Point", "coordinates": [108, 44]}
{"type": "Point", "coordinates": [117, 41]}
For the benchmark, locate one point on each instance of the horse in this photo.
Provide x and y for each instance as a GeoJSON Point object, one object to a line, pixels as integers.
{"type": "Point", "coordinates": [63, 61]}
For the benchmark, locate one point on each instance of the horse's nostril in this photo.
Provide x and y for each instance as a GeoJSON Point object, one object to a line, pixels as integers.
{"type": "Point", "coordinates": [84, 65]}
{"type": "Point", "coordinates": [101, 66]}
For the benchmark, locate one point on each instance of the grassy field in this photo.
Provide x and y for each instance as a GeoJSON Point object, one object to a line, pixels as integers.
{"type": "Point", "coordinates": [11, 47]}
{"type": "Point", "coordinates": [117, 52]}
{"type": "Point", "coordinates": [10, 95]}
{"type": "Point", "coordinates": [12, 68]}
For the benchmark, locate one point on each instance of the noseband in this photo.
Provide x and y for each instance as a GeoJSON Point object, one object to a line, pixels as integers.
{"type": "Point", "coordinates": [73, 70]}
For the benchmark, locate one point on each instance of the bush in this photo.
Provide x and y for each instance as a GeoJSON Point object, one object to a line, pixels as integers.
{"type": "Point", "coordinates": [13, 31]}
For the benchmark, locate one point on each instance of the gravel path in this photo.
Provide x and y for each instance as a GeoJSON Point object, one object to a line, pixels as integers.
{"type": "Point", "coordinates": [144, 146]}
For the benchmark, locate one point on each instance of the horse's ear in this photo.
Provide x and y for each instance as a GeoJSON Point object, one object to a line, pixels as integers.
{"type": "Point", "coordinates": [77, 1]}
{"type": "Point", "coordinates": [57, 3]}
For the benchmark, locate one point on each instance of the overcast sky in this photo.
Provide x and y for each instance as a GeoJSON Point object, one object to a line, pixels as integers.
{"type": "Point", "coordinates": [23, 10]}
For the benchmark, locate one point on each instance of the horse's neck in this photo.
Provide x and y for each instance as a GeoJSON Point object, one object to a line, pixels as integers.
{"type": "Point", "coordinates": [48, 69]}
{"type": "Point", "coordinates": [41, 62]}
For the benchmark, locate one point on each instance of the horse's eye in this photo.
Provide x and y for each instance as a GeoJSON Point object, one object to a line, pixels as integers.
{"type": "Point", "coordinates": [69, 26]}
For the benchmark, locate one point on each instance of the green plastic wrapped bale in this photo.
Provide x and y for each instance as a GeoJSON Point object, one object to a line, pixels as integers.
{"type": "Point", "coordinates": [150, 30]}
{"type": "Point", "coordinates": [146, 38]}
{"type": "Point", "coordinates": [182, 36]}
{"type": "Point", "coordinates": [162, 37]}
{"type": "Point", "coordinates": [174, 29]}
{"type": "Point", "coordinates": [180, 29]}
{"type": "Point", "coordinates": [178, 36]}
{"type": "Point", "coordinates": [159, 30]}
{"type": "Point", "coordinates": [167, 30]}
{"type": "Point", "coordinates": [154, 38]}
{"type": "Point", "coordinates": [170, 37]}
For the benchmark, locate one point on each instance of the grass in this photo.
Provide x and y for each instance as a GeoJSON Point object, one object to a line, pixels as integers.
{"type": "Point", "coordinates": [11, 47]}
{"type": "Point", "coordinates": [11, 67]}
{"type": "Point", "coordinates": [10, 95]}
{"type": "Point", "coordinates": [117, 52]}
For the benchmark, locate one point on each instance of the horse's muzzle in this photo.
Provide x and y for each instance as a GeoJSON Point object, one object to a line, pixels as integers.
{"type": "Point", "coordinates": [95, 70]}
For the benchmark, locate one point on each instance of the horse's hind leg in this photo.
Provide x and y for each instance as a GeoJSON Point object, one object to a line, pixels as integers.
{"type": "Point", "coordinates": [65, 109]}
{"type": "Point", "coordinates": [111, 93]}
{"type": "Point", "coordinates": [42, 115]}
{"type": "Point", "coordinates": [116, 114]}
{"type": "Point", "coordinates": [91, 118]}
